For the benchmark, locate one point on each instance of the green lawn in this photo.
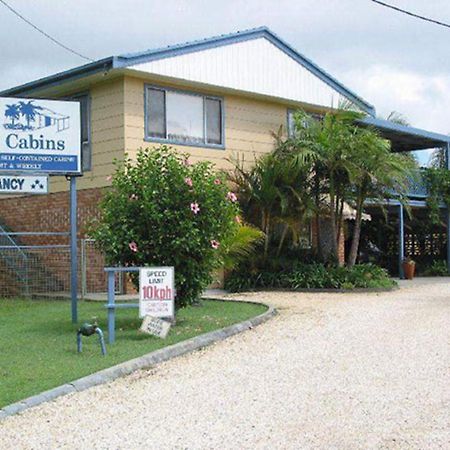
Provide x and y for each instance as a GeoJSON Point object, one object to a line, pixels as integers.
{"type": "Point", "coordinates": [38, 341]}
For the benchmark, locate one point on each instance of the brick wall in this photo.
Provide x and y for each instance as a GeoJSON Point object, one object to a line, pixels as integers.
{"type": "Point", "coordinates": [50, 213]}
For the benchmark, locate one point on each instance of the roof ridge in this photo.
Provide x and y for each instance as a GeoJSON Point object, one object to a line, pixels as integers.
{"type": "Point", "coordinates": [195, 42]}
{"type": "Point", "coordinates": [128, 59]}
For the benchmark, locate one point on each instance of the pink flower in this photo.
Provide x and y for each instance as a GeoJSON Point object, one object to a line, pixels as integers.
{"type": "Point", "coordinates": [215, 244]}
{"type": "Point", "coordinates": [232, 196]}
{"type": "Point", "coordinates": [133, 197]}
{"type": "Point", "coordinates": [109, 178]}
{"type": "Point", "coordinates": [217, 181]}
{"type": "Point", "coordinates": [187, 162]}
{"type": "Point", "coordinates": [238, 220]}
{"type": "Point", "coordinates": [195, 208]}
{"type": "Point", "coordinates": [188, 181]}
{"type": "Point", "coordinates": [133, 247]}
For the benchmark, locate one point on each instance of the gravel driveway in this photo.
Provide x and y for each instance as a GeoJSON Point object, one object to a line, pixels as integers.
{"type": "Point", "coordinates": [342, 371]}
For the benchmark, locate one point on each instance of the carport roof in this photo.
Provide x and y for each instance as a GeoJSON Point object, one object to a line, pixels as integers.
{"type": "Point", "coordinates": [405, 138]}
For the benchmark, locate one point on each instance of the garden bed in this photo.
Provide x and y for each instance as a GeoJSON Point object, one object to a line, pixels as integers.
{"type": "Point", "coordinates": [38, 342]}
{"type": "Point", "coordinates": [313, 277]}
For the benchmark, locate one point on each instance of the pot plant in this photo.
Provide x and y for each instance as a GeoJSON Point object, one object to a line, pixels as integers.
{"type": "Point", "coordinates": [409, 268]}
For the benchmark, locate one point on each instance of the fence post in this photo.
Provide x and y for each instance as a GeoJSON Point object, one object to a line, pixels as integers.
{"type": "Point", "coordinates": [83, 268]}
{"type": "Point", "coordinates": [401, 242]}
{"type": "Point", "coordinates": [111, 307]}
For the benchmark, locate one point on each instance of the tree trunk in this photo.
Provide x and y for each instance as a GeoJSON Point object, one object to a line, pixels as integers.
{"type": "Point", "coordinates": [267, 234]}
{"type": "Point", "coordinates": [353, 254]}
{"type": "Point", "coordinates": [317, 218]}
{"type": "Point", "coordinates": [340, 221]}
{"type": "Point", "coordinates": [283, 237]}
{"type": "Point", "coordinates": [334, 248]}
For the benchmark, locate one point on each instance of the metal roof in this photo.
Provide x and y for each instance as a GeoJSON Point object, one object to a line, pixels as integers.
{"type": "Point", "coordinates": [126, 60]}
{"type": "Point", "coordinates": [404, 138]}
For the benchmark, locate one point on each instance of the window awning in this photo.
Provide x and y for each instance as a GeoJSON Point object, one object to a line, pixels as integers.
{"type": "Point", "coordinates": [405, 138]}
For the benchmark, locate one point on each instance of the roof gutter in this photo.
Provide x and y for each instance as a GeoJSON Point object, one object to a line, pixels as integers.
{"type": "Point", "coordinates": [102, 65]}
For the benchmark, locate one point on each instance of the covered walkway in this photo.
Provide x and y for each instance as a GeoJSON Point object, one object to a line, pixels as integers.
{"type": "Point", "coordinates": [407, 139]}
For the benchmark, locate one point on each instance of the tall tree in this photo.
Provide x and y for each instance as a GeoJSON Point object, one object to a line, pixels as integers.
{"type": "Point", "coordinates": [325, 142]}
{"type": "Point", "coordinates": [380, 174]}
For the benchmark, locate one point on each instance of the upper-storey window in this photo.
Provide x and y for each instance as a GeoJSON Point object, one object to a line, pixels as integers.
{"type": "Point", "coordinates": [183, 118]}
{"type": "Point", "coordinates": [291, 121]}
{"type": "Point", "coordinates": [86, 150]}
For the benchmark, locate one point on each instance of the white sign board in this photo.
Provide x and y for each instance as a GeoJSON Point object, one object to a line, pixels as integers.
{"type": "Point", "coordinates": [16, 184]}
{"type": "Point", "coordinates": [157, 292]}
{"type": "Point", "coordinates": [40, 136]}
{"type": "Point", "coordinates": [155, 326]}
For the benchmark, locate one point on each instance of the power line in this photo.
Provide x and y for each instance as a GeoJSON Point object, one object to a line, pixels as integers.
{"type": "Point", "coordinates": [43, 32]}
{"type": "Point", "coordinates": [409, 13]}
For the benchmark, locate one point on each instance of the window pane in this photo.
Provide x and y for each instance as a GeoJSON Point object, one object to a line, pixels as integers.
{"type": "Point", "coordinates": [86, 156]}
{"type": "Point", "coordinates": [185, 118]}
{"type": "Point", "coordinates": [84, 106]}
{"type": "Point", "coordinates": [213, 121]}
{"type": "Point", "coordinates": [85, 117]}
{"type": "Point", "coordinates": [156, 114]}
{"type": "Point", "coordinates": [291, 124]}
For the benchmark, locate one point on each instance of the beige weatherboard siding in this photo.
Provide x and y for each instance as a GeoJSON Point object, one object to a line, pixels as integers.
{"type": "Point", "coordinates": [107, 135]}
{"type": "Point", "coordinates": [248, 123]}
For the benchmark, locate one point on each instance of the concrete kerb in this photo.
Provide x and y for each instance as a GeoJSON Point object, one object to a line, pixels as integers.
{"type": "Point", "coordinates": [142, 362]}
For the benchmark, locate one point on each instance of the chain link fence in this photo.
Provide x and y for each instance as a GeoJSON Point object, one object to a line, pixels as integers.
{"type": "Point", "coordinates": [93, 277]}
{"type": "Point", "coordinates": [38, 265]}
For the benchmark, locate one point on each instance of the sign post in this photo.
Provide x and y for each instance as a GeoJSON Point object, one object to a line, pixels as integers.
{"type": "Point", "coordinates": [73, 249]}
{"type": "Point", "coordinates": [42, 137]}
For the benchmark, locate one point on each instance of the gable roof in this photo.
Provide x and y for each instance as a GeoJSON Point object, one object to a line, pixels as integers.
{"type": "Point", "coordinates": [131, 59]}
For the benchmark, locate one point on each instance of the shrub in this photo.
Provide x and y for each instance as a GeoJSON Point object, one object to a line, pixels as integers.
{"type": "Point", "coordinates": [164, 211]}
{"type": "Point", "coordinates": [312, 276]}
{"type": "Point", "coordinates": [436, 269]}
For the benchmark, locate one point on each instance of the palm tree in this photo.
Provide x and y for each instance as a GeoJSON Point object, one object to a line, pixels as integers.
{"type": "Point", "coordinates": [238, 248]}
{"type": "Point", "coordinates": [273, 193]}
{"type": "Point", "coordinates": [12, 112]}
{"type": "Point", "coordinates": [28, 110]}
{"type": "Point", "coordinates": [380, 173]}
{"type": "Point", "coordinates": [258, 190]}
{"type": "Point", "coordinates": [326, 144]}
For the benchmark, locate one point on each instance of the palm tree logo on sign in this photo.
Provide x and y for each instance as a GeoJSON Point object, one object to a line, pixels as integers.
{"type": "Point", "coordinates": [27, 116]}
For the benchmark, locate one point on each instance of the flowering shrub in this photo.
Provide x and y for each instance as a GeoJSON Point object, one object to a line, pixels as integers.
{"type": "Point", "coordinates": [164, 211]}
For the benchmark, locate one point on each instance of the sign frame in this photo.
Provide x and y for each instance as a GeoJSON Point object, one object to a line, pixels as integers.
{"type": "Point", "coordinates": [163, 279]}
{"type": "Point", "coordinates": [40, 136]}
{"type": "Point", "coordinates": [31, 184]}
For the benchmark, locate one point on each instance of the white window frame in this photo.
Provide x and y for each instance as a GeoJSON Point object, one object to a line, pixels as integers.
{"type": "Point", "coordinates": [166, 140]}
{"type": "Point", "coordinates": [88, 142]}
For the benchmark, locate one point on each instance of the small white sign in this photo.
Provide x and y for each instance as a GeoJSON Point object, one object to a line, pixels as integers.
{"type": "Point", "coordinates": [16, 184]}
{"type": "Point", "coordinates": [155, 326]}
{"type": "Point", "coordinates": [157, 292]}
{"type": "Point", "coordinates": [40, 136]}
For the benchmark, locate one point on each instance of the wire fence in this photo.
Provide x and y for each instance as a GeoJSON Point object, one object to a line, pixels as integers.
{"type": "Point", "coordinates": [38, 265]}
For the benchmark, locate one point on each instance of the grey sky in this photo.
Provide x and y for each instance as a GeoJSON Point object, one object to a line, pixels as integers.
{"type": "Point", "coordinates": [393, 61]}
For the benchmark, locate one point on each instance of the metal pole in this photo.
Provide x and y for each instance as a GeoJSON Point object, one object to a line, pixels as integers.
{"type": "Point", "coordinates": [401, 242]}
{"type": "Point", "coordinates": [73, 249]}
{"type": "Point", "coordinates": [111, 307]}
{"type": "Point", "coordinates": [447, 160]}
{"type": "Point", "coordinates": [83, 268]}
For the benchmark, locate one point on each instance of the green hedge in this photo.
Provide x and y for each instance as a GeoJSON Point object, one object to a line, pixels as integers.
{"type": "Point", "coordinates": [311, 276]}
